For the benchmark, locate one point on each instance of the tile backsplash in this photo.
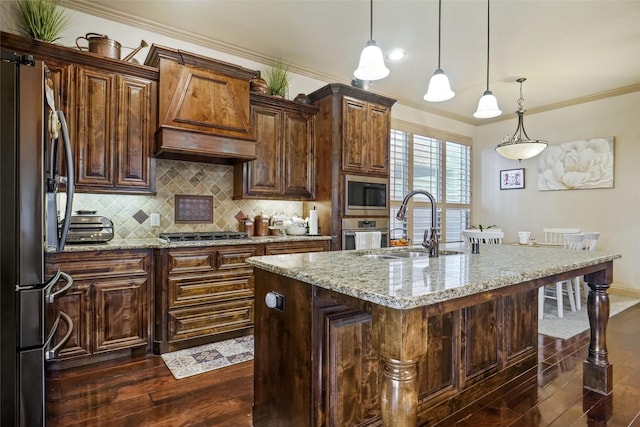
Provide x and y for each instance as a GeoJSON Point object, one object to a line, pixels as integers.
{"type": "Point", "coordinates": [131, 214]}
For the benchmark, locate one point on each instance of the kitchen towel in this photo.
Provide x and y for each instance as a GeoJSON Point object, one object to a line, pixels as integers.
{"type": "Point", "coordinates": [368, 239]}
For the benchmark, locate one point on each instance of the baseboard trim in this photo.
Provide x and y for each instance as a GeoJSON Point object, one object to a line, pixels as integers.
{"type": "Point", "coordinates": [625, 292]}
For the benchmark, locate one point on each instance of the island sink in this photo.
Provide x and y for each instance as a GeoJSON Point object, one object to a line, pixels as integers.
{"type": "Point", "coordinates": [400, 254]}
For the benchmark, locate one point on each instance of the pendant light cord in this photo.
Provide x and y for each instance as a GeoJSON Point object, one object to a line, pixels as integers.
{"type": "Point", "coordinates": [371, 20]}
{"type": "Point", "coordinates": [439, 29]}
{"type": "Point", "coordinates": [488, 26]}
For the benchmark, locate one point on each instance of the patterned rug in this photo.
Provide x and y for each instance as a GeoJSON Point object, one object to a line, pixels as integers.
{"type": "Point", "coordinates": [204, 358]}
{"type": "Point", "coordinates": [577, 321]}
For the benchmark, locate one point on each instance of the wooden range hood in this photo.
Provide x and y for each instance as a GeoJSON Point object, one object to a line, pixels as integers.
{"type": "Point", "coordinates": [203, 108]}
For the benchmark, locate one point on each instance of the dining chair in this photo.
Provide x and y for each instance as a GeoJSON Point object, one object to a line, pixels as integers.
{"type": "Point", "coordinates": [565, 287]}
{"type": "Point", "coordinates": [555, 236]}
{"type": "Point", "coordinates": [486, 237]}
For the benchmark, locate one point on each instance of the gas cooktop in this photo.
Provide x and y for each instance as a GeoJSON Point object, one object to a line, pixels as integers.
{"type": "Point", "coordinates": [201, 236]}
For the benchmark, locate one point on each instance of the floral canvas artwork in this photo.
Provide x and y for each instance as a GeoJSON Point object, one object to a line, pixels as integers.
{"type": "Point", "coordinates": [583, 164]}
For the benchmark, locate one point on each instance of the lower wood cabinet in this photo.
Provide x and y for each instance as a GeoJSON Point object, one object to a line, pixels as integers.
{"type": "Point", "coordinates": [206, 294]}
{"type": "Point", "coordinates": [108, 303]}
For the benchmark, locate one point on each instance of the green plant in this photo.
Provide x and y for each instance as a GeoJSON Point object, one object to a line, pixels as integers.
{"type": "Point", "coordinates": [481, 227]}
{"type": "Point", "coordinates": [42, 19]}
{"type": "Point", "coordinates": [277, 76]}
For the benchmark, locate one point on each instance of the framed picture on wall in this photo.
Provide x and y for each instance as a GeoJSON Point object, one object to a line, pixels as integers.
{"type": "Point", "coordinates": [511, 179]}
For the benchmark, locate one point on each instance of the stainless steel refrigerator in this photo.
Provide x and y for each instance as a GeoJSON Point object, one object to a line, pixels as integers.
{"type": "Point", "coordinates": [32, 133]}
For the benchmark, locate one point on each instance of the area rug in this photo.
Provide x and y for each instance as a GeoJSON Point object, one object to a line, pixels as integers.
{"type": "Point", "coordinates": [577, 321]}
{"type": "Point", "coordinates": [197, 360]}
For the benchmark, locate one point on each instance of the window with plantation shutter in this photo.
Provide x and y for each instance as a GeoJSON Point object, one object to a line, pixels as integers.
{"type": "Point", "coordinates": [440, 163]}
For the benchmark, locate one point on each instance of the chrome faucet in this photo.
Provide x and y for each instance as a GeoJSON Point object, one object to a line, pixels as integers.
{"type": "Point", "coordinates": [430, 240]}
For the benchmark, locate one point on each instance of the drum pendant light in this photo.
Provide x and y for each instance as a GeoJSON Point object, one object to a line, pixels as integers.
{"type": "Point", "coordinates": [439, 89]}
{"type": "Point", "coordinates": [515, 147]}
{"type": "Point", "coordinates": [488, 104]}
{"type": "Point", "coordinates": [371, 66]}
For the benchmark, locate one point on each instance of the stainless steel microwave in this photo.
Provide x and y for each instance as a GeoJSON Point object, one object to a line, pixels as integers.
{"type": "Point", "coordinates": [365, 195]}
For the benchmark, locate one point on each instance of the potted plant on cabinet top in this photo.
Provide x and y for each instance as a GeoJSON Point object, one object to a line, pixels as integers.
{"type": "Point", "coordinates": [42, 19]}
{"type": "Point", "coordinates": [277, 76]}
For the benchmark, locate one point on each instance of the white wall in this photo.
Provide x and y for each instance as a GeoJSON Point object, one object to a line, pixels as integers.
{"type": "Point", "coordinates": [613, 212]}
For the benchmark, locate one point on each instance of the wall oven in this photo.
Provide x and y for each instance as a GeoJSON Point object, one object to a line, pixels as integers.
{"type": "Point", "coordinates": [352, 225]}
{"type": "Point", "coordinates": [365, 196]}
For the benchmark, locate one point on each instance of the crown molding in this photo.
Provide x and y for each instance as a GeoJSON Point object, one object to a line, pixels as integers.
{"type": "Point", "coordinates": [98, 10]}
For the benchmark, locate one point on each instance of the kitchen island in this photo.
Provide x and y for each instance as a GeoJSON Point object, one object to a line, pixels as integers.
{"type": "Point", "coordinates": [388, 337]}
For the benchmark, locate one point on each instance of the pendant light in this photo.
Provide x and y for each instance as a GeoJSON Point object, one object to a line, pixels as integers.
{"type": "Point", "coordinates": [514, 146]}
{"type": "Point", "coordinates": [488, 104]}
{"type": "Point", "coordinates": [371, 66]}
{"type": "Point", "coordinates": [439, 88]}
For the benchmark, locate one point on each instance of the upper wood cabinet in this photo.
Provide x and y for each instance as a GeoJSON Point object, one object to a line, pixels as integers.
{"type": "Point", "coordinates": [356, 124]}
{"type": "Point", "coordinates": [114, 130]}
{"type": "Point", "coordinates": [203, 108]}
{"type": "Point", "coordinates": [110, 107]}
{"type": "Point", "coordinates": [285, 151]}
{"type": "Point", "coordinates": [365, 144]}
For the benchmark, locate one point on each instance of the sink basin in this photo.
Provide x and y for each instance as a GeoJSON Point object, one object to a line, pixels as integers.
{"type": "Point", "coordinates": [408, 254]}
{"type": "Point", "coordinates": [379, 256]}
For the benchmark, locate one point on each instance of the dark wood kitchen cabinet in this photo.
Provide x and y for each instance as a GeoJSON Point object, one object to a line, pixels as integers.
{"type": "Point", "coordinates": [108, 304]}
{"type": "Point", "coordinates": [366, 130]}
{"type": "Point", "coordinates": [356, 124]}
{"type": "Point", "coordinates": [206, 294]}
{"type": "Point", "coordinates": [285, 150]}
{"type": "Point", "coordinates": [114, 131]}
{"type": "Point", "coordinates": [110, 107]}
{"type": "Point", "coordinates": [203, 294]}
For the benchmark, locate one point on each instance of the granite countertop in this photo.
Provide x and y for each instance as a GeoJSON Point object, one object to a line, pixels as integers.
{"type": "Point", "coordinates": [160, 244]}
{"type": "Point", "coordinates": [404, 283]}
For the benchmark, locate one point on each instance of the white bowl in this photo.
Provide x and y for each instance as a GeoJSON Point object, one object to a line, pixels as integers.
{"type": "Point", "coordinates": [296, 230]}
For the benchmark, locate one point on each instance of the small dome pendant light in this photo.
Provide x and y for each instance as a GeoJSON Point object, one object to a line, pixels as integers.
{"type": "Point", "coordinates": [488, 104]}
{"type": "Point", "coordinates": [514, 147]}
{"type": "Point", "coordinates": [371, 66]}
{"type": "Point", "coordinates": [439, 89]}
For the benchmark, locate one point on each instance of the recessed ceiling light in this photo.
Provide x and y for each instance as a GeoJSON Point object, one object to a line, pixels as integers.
{"type": "Point", "coordinates": [396, 54]}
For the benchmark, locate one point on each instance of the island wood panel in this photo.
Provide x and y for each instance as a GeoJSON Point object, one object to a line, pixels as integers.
{"type": "Point", "coordinates": [458, 355]}
{"type": "Point", "coordinates": [284, 401]}
{"type": "Point", "coordinates": [481, 343]}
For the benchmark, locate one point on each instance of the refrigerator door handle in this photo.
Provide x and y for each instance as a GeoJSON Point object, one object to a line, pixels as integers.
{"type": "Point", "coordinates": [50, 297]}
{"type": "Point", "coordinates": [52, 353]}
{"type": "Point", "coordinates": [70, 181]}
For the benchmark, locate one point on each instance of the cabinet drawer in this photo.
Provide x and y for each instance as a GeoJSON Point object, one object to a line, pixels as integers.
{"type": "Point", "coordinates": [191, 290]}
{"type": "Point", "coordinates": [99, 264]}
{"type": "Point", "coordinates": [296, 247]}
{"type": "Point", "coordinates": [230, 258]}
{"type": "Point", "coordinates": [210, 319]}
{"type": "Point", "coordinates": [191, 260]}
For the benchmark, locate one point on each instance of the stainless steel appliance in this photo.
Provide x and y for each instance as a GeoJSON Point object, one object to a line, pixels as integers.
{"type": "Point", "coordinates": [90, 229]}
{"type": "Point", "coordinates": [352, 225]}
{"type": "Point", "coordinates": [25, 293]}
{"type": "Point", "coordinates": [365, 196]}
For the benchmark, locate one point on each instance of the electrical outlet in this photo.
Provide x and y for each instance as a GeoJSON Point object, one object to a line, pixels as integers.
{"type": "Point", "coordinates": [155, 220]}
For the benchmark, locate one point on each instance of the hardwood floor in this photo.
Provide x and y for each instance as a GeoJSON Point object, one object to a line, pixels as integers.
{"type": "Point", "coordinates": [142, 392]}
